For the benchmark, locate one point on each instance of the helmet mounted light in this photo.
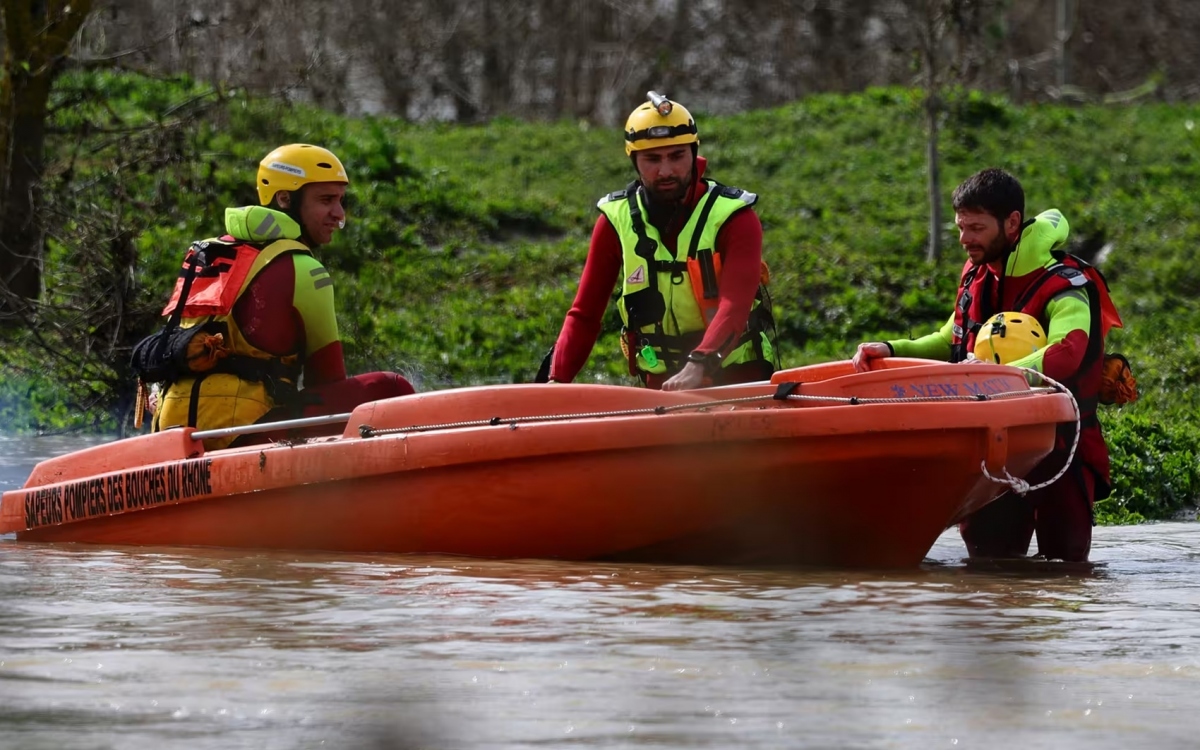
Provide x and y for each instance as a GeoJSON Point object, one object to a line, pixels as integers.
{"type": "Point", "coordinates": [662, 104]}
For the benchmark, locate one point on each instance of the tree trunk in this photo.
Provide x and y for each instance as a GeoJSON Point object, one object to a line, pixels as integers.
{"type": "Point", "coordinates": [933, 106]}
{"type": "Point", "coordinates": [454, 80]}
{"type": "Point", "coordinates": [497, 69]}
{"type": "Point", "coordinates": [568, 49]}
{"type": "Point", "coordinates": [1062, 33]}
{"type": "Point", "coordinates": [23, 114]}
{"type": "Point", "coordinates": [932, 109]}
{"type": "Point", "coordinates": [38, 34]}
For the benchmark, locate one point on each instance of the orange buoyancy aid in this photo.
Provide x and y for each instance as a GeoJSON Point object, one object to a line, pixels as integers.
{"type": "Point", "coordinates": [229, 381]}
{"type": "Point", "coordinates": [221, 270]}
{"type": "Point", "coordinates": [974, 305]}
{"type": "Point", "coordinates": [222, 267]}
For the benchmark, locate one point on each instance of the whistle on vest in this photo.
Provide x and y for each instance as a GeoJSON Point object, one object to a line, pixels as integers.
{"type": "Point", "coordinates": [649, 355]}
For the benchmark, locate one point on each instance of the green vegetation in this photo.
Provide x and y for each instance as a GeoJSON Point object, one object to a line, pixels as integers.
{"type": "Point", "coordinates": [464, 244]}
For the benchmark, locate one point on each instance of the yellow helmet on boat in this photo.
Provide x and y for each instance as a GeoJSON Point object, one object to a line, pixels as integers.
{"type": "Point", "coordinates": [1009, 336]}
{"type": "Point", "coordinates": [293, 166]}
{"type": "Point", "coordinates": [659, 122]}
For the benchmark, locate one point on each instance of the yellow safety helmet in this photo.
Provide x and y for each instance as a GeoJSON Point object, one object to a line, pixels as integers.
{"type": "Point", "coordinates": [294, 166]}
{"type": "Point", "coordinates": [659, 122]}
{"type": "Point", "coordinates": [1009, 336]}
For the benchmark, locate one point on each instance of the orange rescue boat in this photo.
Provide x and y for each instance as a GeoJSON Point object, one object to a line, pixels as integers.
{"type": "Point", "coordinates": [820, 466]}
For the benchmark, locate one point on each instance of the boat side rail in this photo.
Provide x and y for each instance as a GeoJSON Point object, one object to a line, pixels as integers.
{"type": "Point", "coordinates": [785, 392]}
{"type": "Point", "coordinates": [286, 424]}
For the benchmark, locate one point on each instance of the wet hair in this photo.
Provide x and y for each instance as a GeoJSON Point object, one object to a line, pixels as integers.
{"type": "Point", "coordinates": [992, 190]}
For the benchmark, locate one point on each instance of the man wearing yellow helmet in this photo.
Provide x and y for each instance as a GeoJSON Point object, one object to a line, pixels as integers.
{"type": "Point", "coordinates": [252, 313]}
{"type": "Point", "coordinates": [1018, 266]}
{"type": "Point", "coordinates": [688, 253]}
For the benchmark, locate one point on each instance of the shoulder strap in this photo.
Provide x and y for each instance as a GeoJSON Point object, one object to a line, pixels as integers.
{"type": "Point", "coordinates": [1074, 276]}
{"type": "Point", "coordinates": [615, 195]}
{"type": "Point", "coordinates": [1078, 280]}
{"type": "Point", "coordinates": [268, 253]}
{"type": "Point", "coordinates": [745, 196]}
{"type": "Point", "coordinates": [196, 258]}
{"type": "Point", "coordinates": [618, 195]}
{"type": "Point", "coordinates": [708, 270]}
{"type": "Point", "coordinates": [714, 192]}
{"type": "Point", "coordinates": [645, 247]}
{"type": "Point", "coordinates": [962, 307]}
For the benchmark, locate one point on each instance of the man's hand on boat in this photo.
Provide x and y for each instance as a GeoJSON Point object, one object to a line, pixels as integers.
{"type": "Point", "coordinates": [868, 351]}
{"type": "Point", "coordinates": [691, 376]}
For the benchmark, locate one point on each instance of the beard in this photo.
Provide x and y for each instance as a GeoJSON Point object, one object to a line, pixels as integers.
{"type": "Point", "coordinates": [990, 253]}
{"type": "Point", "coordinates": [669, 191]}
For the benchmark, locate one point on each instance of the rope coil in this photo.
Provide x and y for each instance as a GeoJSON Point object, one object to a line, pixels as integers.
{"type": "Point", "coordinates": [1020, 486]}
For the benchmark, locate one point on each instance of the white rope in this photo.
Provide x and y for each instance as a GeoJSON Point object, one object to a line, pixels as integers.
{"type": "Point", "coordinates": [1020, 486]}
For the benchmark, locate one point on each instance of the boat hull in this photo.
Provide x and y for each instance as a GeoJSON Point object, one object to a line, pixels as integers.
{"type": "Point", "coordinates": [761, 482]}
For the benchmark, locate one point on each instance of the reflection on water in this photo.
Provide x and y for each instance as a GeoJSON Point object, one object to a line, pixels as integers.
{"type": "Point", "coordinates": [18, 455]}
{"type": "Point", "coordinates": [174, 647]}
